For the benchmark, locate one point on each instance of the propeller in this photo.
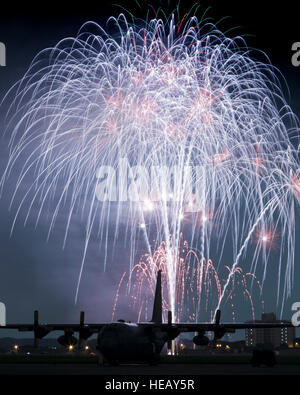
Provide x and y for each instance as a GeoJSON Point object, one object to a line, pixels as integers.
{"type": "Point", "coordinates": [35, 328]}
{"type": "Point", "coordinates": [219, 331]}
{"type": "Point", "coordinates": [81, 330]}
{"type": "Point", "coordinates": [169, 343]}
{"type": "Point", "coordinates": [84, 332]}
{"type": "Point", "coordinates": [39, 331]}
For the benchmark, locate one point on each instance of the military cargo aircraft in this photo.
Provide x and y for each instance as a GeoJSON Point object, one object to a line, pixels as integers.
{"type": "Point", "coordinates": [142, 341]}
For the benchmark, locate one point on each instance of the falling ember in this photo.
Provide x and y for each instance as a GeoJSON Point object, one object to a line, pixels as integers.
{"type": "Point", "coordinates": [267, 238]}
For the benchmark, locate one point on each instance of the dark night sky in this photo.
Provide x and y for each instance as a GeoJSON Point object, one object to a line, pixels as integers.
{"type": "Point", "coordinates": [35, 274]}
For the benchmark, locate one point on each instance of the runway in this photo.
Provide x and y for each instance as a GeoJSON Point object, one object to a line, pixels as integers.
{"type": "Point", "coordinates": [141, 370]}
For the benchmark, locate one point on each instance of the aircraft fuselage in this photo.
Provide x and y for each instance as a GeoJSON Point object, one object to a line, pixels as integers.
{"type": "Point", "coordinates": [130, 342]}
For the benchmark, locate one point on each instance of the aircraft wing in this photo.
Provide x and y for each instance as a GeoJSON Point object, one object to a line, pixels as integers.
{"type": "Point", "coordinates": [171, 329]}
{"type": "Point", "coordinates": [219, 330]}
{"type": "Point", "coordinates": [41, 330]}
{"type": "Point", "coordinates": [181, 327]}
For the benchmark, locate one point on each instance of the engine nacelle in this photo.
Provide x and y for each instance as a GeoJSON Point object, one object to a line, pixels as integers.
{"type": "Point", "coordinates": [219, 333]}
{"type": "Point", "coordinates": [67, 340]}
{"type": "Point", "coordinates": [201, 340]}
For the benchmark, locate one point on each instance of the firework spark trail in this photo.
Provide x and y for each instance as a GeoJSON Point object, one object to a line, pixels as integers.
{"type": "Point", "coordinates": [188, 307]}
{"type": "Point", "coordinates": [159, 95]}
{"type": "Point", "coordinates": [234, 266]}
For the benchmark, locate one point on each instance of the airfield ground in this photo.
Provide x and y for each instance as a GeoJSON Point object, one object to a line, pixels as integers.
{"type": "Point", "coordinates": [180, 366]}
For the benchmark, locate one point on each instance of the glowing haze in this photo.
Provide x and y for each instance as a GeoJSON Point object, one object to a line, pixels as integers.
{"type": "Point", "coordinates": [176, 127]}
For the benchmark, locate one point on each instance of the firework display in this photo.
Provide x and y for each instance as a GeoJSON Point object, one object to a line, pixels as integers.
{"type": "Point", "coordinates": [192, 277]}
{"type": "Point", "coordinates": [161, 128]}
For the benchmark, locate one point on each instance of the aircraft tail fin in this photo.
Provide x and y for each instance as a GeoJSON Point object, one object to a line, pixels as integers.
{"type": "Point", "coordinates": [157, 306]}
